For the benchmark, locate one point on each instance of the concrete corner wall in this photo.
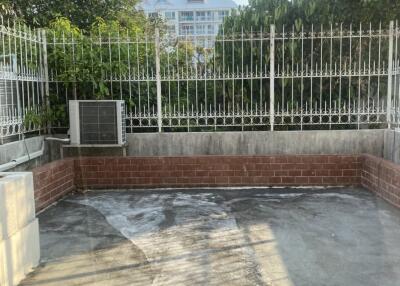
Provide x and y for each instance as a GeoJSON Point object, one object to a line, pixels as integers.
{"type": "Point", "coordinates": [53, 181]}
{"type": "Point", "coordinates": [19, 229]}
{"type": "Point", "coordinates": [257, 143]}
{"type": "Point", "coordinates": [392, 146]}
{"type": "Point", "coordinates": [382, 177]}
{"type": "Point", "coordinates": [17, 149]}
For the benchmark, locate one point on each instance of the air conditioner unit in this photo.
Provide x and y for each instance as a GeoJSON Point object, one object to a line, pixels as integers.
{"type": "Point", "coordinates": [97, 122]}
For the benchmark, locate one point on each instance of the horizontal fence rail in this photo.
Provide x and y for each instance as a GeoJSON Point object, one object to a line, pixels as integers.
{"type": "Point", "coordinates": [283, 78]}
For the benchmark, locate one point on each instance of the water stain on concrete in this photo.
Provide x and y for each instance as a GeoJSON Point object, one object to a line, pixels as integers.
{"type": "Point", "coordinates": [220, 237]}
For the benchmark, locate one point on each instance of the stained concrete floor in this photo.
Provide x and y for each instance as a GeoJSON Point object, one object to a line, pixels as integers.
{"type": "Point", "coordinates": [220, 237]}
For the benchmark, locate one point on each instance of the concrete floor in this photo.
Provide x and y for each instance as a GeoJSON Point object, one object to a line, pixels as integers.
{"type": "Point", "coordinates": [220, 237]}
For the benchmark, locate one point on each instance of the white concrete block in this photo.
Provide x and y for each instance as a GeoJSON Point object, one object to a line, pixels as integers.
{"type": "Point", "coordinates": [19, 254]}
{"type": "Point", "coordinates": [33, 247]}
{"type": "Point", "coordinates": [19, 230]}
{"type": "Point", "coordinates": [3, 212]}
{"type": "Point", "coordinates": [3, 264]}
{"type": "Point", "coordinates": [17, 203]}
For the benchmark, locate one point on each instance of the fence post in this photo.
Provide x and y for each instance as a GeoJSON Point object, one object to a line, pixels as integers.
{"type": "Point", "coordinates": [46, 74]}
{"type": "Point", "coordinates": [390, 76]}
{"type": "Point", "coordinates": [158, 79]}
{"type": "Point", "coordinates": [272, 78]}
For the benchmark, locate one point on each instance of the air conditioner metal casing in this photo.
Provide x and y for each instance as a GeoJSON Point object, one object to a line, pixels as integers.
{"type": "Point", "coordinates": [97, 122]}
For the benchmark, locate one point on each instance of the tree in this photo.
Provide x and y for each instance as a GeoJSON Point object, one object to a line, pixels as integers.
{"type": "Point", "coordinates": [39, 13]}
{"type": "Point", "coordinates": [6, 9]}
{"type": "Point", "coordinates": [293, 17]}
{"type": "Point", "coordinates": [262, 13]}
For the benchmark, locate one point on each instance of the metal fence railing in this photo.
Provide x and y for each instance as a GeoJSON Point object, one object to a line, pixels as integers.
{"type": "Point", "coordinates": [281, 79]}
{"type": "Point", "coordinates": [22, 79]}
{"type": "Point", "coordinates": [394, 93]}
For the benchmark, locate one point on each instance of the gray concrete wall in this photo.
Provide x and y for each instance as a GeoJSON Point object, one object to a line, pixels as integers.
{"type": "Point", "coordinates": [392, 146]}
{"type": "Point", "coordinates": [257, 143]}
{"type": "Point", "coordinates": [376, 142]}
{"type": "Point", "coordinates": [17, 149]}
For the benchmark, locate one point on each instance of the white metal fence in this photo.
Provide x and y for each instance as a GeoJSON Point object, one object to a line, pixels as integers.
{"type": "Point", "coordinates": [281, 79]}
{"type": "Point", "coordinates": [22, 79]}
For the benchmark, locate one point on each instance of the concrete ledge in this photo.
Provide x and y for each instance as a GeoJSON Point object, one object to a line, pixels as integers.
{"type": "Point", "coordinates": [18, 149]}
{"type": "Point", "coordinates": [15, 150]}
{"type": "Point", "coordinates": [345, 142]}
{"type": "Point", "coordinates": [392, 146]}
{"type": "Point", "coordinates": [93, 150]}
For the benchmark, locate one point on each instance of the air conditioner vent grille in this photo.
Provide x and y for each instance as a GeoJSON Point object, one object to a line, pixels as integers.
{"type": "Point", "coordinates": [98, 123]}
{"type": "Point", "coordinates": [123, 121]}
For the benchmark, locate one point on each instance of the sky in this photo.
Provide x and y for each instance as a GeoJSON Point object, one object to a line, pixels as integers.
{"type": "Point", "coordinates": [242, 2]}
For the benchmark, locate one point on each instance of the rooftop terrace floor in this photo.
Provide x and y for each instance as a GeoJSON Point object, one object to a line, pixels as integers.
{"type": "Point", "coordinates": [220, 237]}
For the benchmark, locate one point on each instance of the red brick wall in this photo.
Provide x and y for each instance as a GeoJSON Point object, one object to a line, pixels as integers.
{"type": "Point", "coordinates": [208, 171]}
{"type": "Point", "coordinates": [52, 181]}
{"type": "Point", "coordinates": [381, 177]}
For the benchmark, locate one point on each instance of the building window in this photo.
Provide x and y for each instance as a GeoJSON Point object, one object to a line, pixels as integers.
{"type": "Point", "coordinates": [201, 43]}
{"type": "Point", "coordinates": [186, 29]}
{"type": "Point", "coordinates": [170, 15]}
{"type": "Point", "coordinates": [171, 29]}
{"type": "Point", "coordinates": [186, 16]}
{"type": "Point", "coordinates": [201, 29]}
{"type": "Point", "coordinates": [222, 15]}
{"type": "Point", "coordinates": [153, 15]}
{"type": "Point", "coordinates": [210, 29]}
{"type": "Point", "coordinates": [204, 16]}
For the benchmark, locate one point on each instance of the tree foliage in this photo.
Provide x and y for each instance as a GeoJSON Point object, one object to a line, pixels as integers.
{"type": "Point", "coordinates": [94, 64]}
{"type": "Point", "coordinates": [262, 13]}
{"type": "Point", "coordinates": [6, 9]}
{"type": "Point", "coordinates": [295, 16]}
{"type": "Point", "coordinates": [39, 13]}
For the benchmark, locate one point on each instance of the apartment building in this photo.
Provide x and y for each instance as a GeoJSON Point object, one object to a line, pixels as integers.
{"type": "Point", "coordinates": [200, 18]}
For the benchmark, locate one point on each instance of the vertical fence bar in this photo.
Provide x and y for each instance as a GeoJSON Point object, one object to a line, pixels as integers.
{"type": "Point", "coordinates": [158, 79]}
{"type": "Point", "coordinates": [396, 69]}
{"type": "Point", "coordinates": [74, 66]}
{"type": "Point", "coordinates": [390, 75]}
{"type": "Point", "coordinates": [18, 113]}
{"type": "Point", "coordinates": [359, 78]}
{"type": "Point", "coordinates": [272, 78]}
{"type": "Point", "coordinates": [46, 74]}
{"type": "Point", "coordinates": [21, 68]}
